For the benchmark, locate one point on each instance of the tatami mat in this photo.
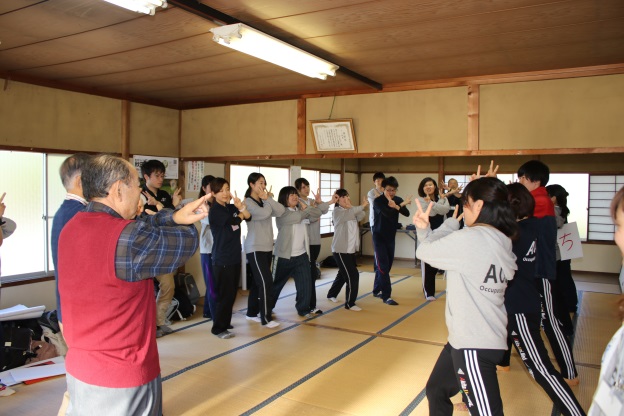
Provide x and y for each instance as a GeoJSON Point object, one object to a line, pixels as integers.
{"type": "Point", "coordinates": [373, 362]}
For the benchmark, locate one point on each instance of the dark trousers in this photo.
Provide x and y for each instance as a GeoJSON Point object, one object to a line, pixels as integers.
{"type": "Point", "coordinates": [349, 274]}
{"type": "Point", "coordinates": [209, 297]}
{"type": "Point", "coordinates": [559, 343]}
{"type": "Point", "coordinates": [226, 284]}
{"type": "Point", "coordinates": [384, 256]}
{"type": "Point", "coordinates": [261, 290]}
{"type": "Point", "coordinates": [525, 334]}
{"type": "Point", "coordinates": [473, 371]}
{"type": "Point", "coordinates": [336, 287]}
{"type": "Point", "coordinates": [566, 299]}
{"type": "Point", "coordinates": [315, 249]}
{"type": "Point", "coordinates": [428, 278]}
{"type": "Point", "coordinates": [299, 268]}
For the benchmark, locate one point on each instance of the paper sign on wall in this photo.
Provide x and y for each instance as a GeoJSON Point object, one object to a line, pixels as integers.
{"type": "Point", "coordinates": [171, 164]}
{"type": "Point", "coordinates": [194, 175]}
{"type": "Point", "coordinates": [569, 242]}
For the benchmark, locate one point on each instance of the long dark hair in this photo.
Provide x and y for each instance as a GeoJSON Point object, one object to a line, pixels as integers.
{"type": "Point", "coordinates": [284, 193]}
{"type": "Point", "coordinates": [561, 195]}
{"type": "Point", "coordinates": [252, 178]}
{"type": "Point", "coordinates": [496, 210]}
{"type": "Point", "coordinates": [521, 200]}
{"type": "Point", "coordinates": [421, 189]}
{"type": "Point", "coordinates": [205, 181]}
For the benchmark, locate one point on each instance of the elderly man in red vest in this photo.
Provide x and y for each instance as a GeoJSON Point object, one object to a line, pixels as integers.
{"type": "Point", "coordinates": [106, 261]}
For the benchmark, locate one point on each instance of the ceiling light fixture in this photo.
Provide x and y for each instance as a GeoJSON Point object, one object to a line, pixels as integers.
{"type": "Point", "coordinates": [255, 43]}
{"type": "Point", "coordinates": [141, 6]}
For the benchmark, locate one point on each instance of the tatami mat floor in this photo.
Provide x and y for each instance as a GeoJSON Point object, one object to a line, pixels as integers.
{"type": "Point", "coordinates": [373, 362]}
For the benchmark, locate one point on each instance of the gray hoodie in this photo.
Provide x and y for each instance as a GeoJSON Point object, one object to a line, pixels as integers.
{"type": "Point", "coordinates": [314, 227]}
{"type": "Point", "coordinates": [478, 261]}
{"type": "Point", "coordinates": [285, 230]}
{"type": "Point", "coordinates": [346, 228]}
{"type": "Point", "coordinates": [260, 225]}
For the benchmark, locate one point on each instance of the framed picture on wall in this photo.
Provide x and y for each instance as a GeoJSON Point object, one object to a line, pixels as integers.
{"type": "Point", "coordinates": [334, 135]}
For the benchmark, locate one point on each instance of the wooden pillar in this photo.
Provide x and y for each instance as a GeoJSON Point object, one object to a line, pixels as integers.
{"type": "Point", "coordinates": [301, 126]}
{"type": "Point", "coordinates": [473, 117]}
{"type": "Point", "coordinates": [125, 129]}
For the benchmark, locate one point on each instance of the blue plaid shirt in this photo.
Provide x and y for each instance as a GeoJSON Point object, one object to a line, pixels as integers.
{"type": "Point", "coordinates": [152, 245]}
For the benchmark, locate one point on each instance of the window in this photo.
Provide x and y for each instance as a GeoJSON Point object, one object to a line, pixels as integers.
{"type": "Point", "coordinates": [33, 194]}
{"type": "Point", "coordinates": [602, 189]}
{"type": "Point", "coordinates": [577, 185]}
{"type": "Point", "coordinates": [327, 183]}
{"type": "Point", "coordinates": [330, 182]}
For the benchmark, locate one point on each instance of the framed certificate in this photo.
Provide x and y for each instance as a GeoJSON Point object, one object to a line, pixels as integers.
{"type": "Point", "coordinates": [333, 135]}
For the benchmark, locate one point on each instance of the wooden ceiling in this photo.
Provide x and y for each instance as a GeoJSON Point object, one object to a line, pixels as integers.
{"type": "Point", "coordinates": [170, 60]}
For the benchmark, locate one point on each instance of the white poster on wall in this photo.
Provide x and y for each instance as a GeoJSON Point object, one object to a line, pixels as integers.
{"type": "Point", "coordinates": [194, 175]}
{"type": "Point", "coordinates": [569, 242]}
{"type": "Point", "coordinates": [171, 164]}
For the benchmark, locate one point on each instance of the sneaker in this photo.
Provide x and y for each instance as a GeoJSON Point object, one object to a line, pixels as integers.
{"type": "Point", "coordinates": [316, 311]}
{"type": "Point", "coordinates": [354, 308]}
{"type": "Point", "coordinates": [225, 335]}
{"type": "Point", "coordinates": [390, 301]}
{"type": "Point", "coordinates": [271, 324]}
{"type": "Point", "coordinates": [230, 327]}
{"type": "Point", "coordinates": [167, 322]}
{"type": "Point", "coordinates": [431, 298]}
{"type": "Point", "coordinates": [253, 318]}
{"type": "Point", "coordinates": [377, 295]}
{"type": "Point", "coordinates": [308, 315]}
{"type": "Point", "coordinates": [165, 329]}
{"type": "Point", "coordinates": [333, 299]}
{"type": "Point", "coordinates": [159, 333]}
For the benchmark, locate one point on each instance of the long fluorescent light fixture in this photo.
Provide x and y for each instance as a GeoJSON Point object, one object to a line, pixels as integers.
{"type": "Point", "coordinates": [255, 43]}
{"type": "Point", "coordinates": [141, 6]}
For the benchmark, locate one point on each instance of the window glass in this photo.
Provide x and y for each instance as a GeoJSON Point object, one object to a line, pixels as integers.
{"type": "Point", "coordinates": [576, 184]}
{"type": "Point", "coordinates": [22, 179]}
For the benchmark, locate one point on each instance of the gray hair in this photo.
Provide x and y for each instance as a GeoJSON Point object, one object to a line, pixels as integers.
{"type": "Point", "coordinates": [72, 167]}
{"type": "Point", "coordinates": [103, 171]}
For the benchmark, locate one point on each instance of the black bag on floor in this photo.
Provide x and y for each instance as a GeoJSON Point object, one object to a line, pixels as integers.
{"type": "Point", "coordinates": [184, 309]}
{"type": "Point", "coordinates": [329, 262]}
{"type": "Point", "coordinates": [186, 282]}
{"type": "Point", "coordinates": [16, 341]}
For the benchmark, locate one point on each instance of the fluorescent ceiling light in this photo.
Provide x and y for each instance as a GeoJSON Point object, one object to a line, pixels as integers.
{"type": "Point", "coordinates": [255, 43]}
{"type": "Point", "coordinates": [141, 6]}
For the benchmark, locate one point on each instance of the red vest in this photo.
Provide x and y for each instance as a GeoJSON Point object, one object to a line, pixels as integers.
{"type": "Point", "coordinates": [109, 324]}
{"type": "Point", "coordinates": [544, 206]}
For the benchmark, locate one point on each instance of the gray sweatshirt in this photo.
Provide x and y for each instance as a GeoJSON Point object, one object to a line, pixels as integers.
{"type": "Point", "coordinates": [205, 238]}
{"type": "Point", "coordinates": [478, 261]}
{"type": "Point", "coordinates": [285, 230]}
{"type": "Point", "coordinates": [371, 195]}
{"type": "Point", "coordinates": [346, 229]}
{"type": "Point", "coordinates": [314, 227]}
{"type": "Point", "coordinates": [260, 225]}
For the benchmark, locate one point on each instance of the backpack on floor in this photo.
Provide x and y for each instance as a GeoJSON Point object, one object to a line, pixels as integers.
{"type": "Point", "coordinates": [329, 262]}
{"type": "Point", "coordinates": [186, 282]}
{"type": "Point", "coordinates": [184, 309]}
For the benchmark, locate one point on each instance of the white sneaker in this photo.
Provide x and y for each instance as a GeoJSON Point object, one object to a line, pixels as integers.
{"type": "Point", "coordinates": [333, 299]}
{"type": "Point", "coordinates": [253, 318]}
{"type": "Point", "coordinates": [271, 324]}
{"type": "Point", "coordinates": [354, 308]}
{"type": "Point", "coordinates": [431, 298]}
